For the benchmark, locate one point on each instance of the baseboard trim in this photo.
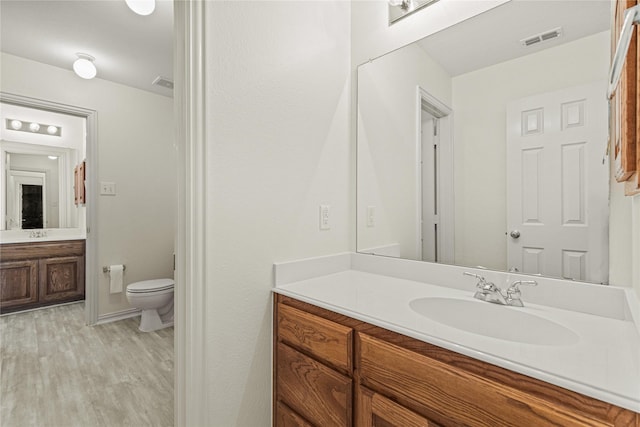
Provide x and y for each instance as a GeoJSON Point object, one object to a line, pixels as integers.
{"type": "Point", "coordinates": [118, 315]}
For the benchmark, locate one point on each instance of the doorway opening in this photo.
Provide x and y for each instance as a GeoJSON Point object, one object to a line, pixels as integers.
{"type": "Point", "coordinates": [434, 154]}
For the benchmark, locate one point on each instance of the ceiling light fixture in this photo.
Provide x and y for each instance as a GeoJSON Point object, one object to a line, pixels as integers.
{"type": "Point", "coordinates": [53, 157]}
{"type": "Point", "coordinates": [34, 127]}
{"type": "Point", "coordinates": [142, 7]}
{"type": "Point", "coordinates": [84, 66]}
{"type": "Point", "coordinates": [52, 130]}
{"type": "Point", "coordinates": [16, 124]}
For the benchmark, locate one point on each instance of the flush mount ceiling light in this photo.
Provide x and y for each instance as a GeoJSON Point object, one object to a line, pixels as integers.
{"type": "Point", "coordinates": [84, 66]}
{"type": "Point", "coordinates": [142, 7]}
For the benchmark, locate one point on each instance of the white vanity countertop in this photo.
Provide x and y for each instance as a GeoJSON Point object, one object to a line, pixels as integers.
{"type": "Point", "coordinates": [604, 363]}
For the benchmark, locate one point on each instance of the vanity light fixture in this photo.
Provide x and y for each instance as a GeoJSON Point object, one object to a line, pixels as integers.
{"type": "Point", "coordinates": [34, 127]}
{"type": "Point", "coordinates": [84, 66]}
{"type": "Point", "coordinates": [142, 7]}
{"type": "Point", "coordinates": [399, 9]}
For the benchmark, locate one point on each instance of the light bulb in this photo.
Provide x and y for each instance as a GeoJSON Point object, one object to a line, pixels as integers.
{"type": "Point", "coordinates": [34, 127]}
{"type": "Point", "coordinates": [142, 7]}
{"type": "Point", "coordinates": [53, 157]}
{"type": "Point", "coordinates": [84, 67]}
{"type": "Point", "coordinates": [52, 130]}
{"type": "Point", "coordinates": [16, 124]}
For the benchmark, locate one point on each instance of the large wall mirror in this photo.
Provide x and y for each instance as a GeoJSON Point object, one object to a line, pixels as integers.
{"type": "Point", "coordinates": [37, 180]}
{"type": "Point", "coordinates": [482, 145]}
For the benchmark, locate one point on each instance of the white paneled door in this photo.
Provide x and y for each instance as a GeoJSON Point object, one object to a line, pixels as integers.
{"type": "Point", "coordinates": [557, 184]}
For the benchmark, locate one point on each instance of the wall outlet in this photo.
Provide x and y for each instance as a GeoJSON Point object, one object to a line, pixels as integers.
{"type": "Point", "coordinates": [107, 188]}
{"type": "Point", "coordinates": [325, 211]}
{"type": "Point", "coordinates": [371, 216]}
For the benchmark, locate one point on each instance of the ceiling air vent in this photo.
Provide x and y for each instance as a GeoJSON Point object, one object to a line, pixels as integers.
{"type": "Point", "coordinates": [542, 37]}
{"type": "Point", "coordinates": [164, 82]}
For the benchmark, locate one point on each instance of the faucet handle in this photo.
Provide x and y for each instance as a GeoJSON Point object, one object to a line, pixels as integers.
{"type": "Point", "coordinates": [514, 294]}
{"type": "Point", "coordinates": [481, 280]}
{"type": "Point", "coordinates": [514, 286]}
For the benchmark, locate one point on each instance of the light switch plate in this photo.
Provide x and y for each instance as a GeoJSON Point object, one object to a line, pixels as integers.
{"type": "Point", "coordinates": [107, 188]}
{"type": "Point", "coordinates": [371, 216]}
{"type": "Point", "coordinates": [325, 211]}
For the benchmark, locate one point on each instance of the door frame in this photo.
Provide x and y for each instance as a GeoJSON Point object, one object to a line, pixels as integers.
{"type": "Point", "coordinates": [91, 146]}
{"type": "Point", "coordinates": [446, 206]}
{"type": "Point", "coordinates": [16, 181]}
{"type": "Point", "coordinates": [190, 324]}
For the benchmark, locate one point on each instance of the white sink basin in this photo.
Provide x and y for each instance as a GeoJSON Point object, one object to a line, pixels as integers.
{"type": "Point", "coordinates": [494, 320]}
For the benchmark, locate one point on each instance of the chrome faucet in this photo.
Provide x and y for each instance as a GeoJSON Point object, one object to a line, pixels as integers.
{"type": "Point", "coordinates": [489, 292]}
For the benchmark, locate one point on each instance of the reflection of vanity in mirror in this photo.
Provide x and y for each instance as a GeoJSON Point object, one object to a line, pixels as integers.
{"type": "Point", "coordinates": [485, 148]}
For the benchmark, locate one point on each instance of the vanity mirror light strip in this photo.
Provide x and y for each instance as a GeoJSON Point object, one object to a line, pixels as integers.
{"type": "Point", "coordinates": [33, 127]}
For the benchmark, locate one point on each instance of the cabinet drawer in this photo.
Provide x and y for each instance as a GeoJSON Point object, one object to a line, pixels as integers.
{"type": "Point", "coordinates": [322, 338]}
{"type": "Point", "coordinates": [452, 394]}
{"type": "Point", "coordinates": [316, 392]}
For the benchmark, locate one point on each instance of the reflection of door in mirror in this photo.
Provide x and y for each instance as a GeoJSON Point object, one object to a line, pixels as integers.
{"type": "Point", "coordinates": [32, 207]}
{"type": "Point", "coordinates": [26, 200]}
{"type": "Point", "coordinates": [557, 185]}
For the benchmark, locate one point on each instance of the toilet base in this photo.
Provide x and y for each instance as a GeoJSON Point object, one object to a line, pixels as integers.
{"type": "Point", "coordinates": [150, 321]}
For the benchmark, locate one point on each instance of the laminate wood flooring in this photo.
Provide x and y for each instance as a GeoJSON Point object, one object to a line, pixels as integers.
{"type": "Point", "coordinates": [55, 371]}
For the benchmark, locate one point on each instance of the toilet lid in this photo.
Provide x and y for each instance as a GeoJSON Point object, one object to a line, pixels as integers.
{"type": "Point", "coordinates": [151, 285]}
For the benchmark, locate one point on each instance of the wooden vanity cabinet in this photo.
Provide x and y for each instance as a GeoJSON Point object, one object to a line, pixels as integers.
{"type": "Point", "coordinates": [41, 273]}
{"type": "Point", "coordinates": [399, 381]}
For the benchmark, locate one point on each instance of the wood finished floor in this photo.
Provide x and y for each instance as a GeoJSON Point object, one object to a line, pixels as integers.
{"type": "Point", "coordinates": [55, 371]}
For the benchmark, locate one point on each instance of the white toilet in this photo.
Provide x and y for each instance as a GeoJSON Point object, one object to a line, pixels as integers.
{"type": "Point", "coordinates": [155, 298]}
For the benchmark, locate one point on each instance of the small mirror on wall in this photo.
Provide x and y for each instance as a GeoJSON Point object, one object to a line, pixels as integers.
{"type": "Point", "coordinates": [399, 9]}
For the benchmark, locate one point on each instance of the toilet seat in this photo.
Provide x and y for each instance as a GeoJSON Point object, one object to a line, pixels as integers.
{"type": "Point", "coordinates": [151, 286]}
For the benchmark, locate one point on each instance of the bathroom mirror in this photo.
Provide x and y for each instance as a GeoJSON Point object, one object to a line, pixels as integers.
{"type": "Point", "coordinates": [37, 179]}
{"type": "Point", "coordinates": [482, 145]}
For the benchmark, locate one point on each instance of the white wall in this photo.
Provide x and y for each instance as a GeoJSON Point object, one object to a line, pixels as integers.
{"type": "Point", "coordinates": [135, 150]}
{"type": "Point", "coordinates": [277, 109]}
{"type": "Point", "coordinates": [387, 164]}
{"type": "Point", "coordinates": [479, 104]}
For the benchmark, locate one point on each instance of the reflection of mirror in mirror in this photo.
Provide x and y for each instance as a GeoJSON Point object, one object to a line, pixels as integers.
{"type": "Point", "coordinates": [37, 176]}
{"type": "Point", "coordinates": [472, 136]}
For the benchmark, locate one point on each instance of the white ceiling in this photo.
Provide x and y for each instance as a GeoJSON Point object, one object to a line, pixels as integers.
{"type": "Point", "coordinates": [134, 50]}
{"type": "Point", "coordinates": [495, 35]}
{"type": "Point", "coordinates": [129, 49]}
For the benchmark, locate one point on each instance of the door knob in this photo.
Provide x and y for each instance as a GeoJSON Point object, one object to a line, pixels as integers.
{"type": "Point", "coordinates": [515, 234]}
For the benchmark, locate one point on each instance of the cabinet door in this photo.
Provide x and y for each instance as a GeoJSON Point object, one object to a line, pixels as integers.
{"type": "Point", "coordinates": [285, 417]}
{"type": "Point", "coordinates": [18, 283]}
{"type": "Point", "coordinates": [61, 278]}
{"type": "Point", "coordinates": [375, 410]}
